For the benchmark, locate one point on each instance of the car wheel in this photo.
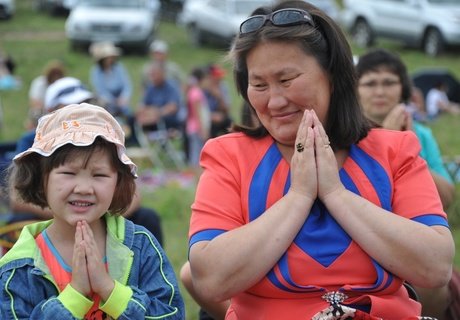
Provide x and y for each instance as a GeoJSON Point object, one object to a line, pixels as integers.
{"type": "Point", "coordinates": [433, 43]}
{"type": "Point", "coordinates": [362, 34]}
{"type": "Point", "coordinates": [196, 36]}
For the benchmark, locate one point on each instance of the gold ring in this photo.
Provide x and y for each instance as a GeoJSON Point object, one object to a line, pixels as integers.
{"type": "Point", "coordinates": [299, 147]}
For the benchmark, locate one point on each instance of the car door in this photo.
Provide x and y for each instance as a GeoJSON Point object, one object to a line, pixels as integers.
{"type": "Point", "coordinates": [400, 19]}
{"type": "Point", "coordinates": [214, 20]}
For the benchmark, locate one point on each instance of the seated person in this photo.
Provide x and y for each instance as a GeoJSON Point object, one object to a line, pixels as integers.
{"type": "Point", "coordinates": [437, 101]}
{"type": "Point", "coordinates": [161, 102]}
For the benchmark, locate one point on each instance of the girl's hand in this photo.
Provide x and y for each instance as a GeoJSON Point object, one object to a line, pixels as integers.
{"type": "Point", "coordinates": [99, 278]}
{"type": "Point", "coordinates": [303, 166]}
{"type": "Point", "coordinates": [80, 278]}
{"type": "Point", "coordinates": [326, 163]}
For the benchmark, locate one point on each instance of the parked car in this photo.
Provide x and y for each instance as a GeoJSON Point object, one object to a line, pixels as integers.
{"type": "Point", "coordinates": [7, 9]}
{"type": "Point", "coordinates": [216, 21]}
{"type": "Point", "coordinates": [56, 7]}
{"type": "Point", "coordinates": [330, 7]}
{"type": "Point", "coordinates": [431, 25]}
{"type": "Point", "coordinates": [128, 24]}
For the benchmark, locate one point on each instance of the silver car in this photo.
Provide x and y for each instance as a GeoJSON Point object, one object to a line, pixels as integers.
{"type": "Point", "coordinates": [126, 23]}
{"type": "Point", "coordinates": [216, 21]}
{"type": "Point", "coordinates": [431, 25]}
{"type": "Point", "coordinates": [7, 9]}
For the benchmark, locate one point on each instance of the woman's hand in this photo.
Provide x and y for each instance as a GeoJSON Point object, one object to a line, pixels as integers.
{"type": "Point", "coordinates": [326, 163]}
{"type": "Point", "coordinates": [80, 278]}
{"type": "Point", "coordinates": [303, 166]}
{"type": "Point", "coordinates": [398, 119]}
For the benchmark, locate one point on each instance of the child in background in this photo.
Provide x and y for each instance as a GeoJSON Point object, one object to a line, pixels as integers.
{"type": "Point", "coordinates": [88, 262]}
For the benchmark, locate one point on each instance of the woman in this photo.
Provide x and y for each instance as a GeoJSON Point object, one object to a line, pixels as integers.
{"type": "Point", "coordinates": [320, 211]}
{"type": "Point", "coordinates": [385, 91]}
{"type": "Point", "coordinates": [109, 78]}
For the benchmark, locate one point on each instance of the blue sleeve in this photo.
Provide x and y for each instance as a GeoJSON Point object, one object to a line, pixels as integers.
{"type": "Point", "coordinates": [98, 84]}
{"type": "Point", "coordinates": [126, 80]}
{"type": "Point", "coordinates": [38, 302]}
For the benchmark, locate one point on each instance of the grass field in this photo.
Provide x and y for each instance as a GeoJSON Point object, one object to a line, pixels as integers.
{"type": "Point", "coordinates": [34, 38]}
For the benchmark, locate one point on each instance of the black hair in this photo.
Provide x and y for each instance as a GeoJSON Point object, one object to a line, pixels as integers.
{"type": "Point", "coordinates": [325, 41]}
{"type": "Point", "coordinates": [382, 59]}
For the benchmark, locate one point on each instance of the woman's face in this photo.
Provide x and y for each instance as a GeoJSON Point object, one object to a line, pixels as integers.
{"type": "Point", "coordinates": [379, 92]}
{"type": "Point", "coordinates": [283, 82]}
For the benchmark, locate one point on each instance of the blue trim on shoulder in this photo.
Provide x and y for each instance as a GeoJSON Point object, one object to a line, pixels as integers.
{"type": "Point", "coordinates": [375, 173]}
{"type": "Point", "coordinates": [260, 182]}
{"type": "Point", "coordinates": [205, 235]}
{"type": "Point", "coordinates": [432, 220]}
{"type": "Point", "coordinates": [55, 252]}
{"type": "Point", "coordinates": [348, 182]}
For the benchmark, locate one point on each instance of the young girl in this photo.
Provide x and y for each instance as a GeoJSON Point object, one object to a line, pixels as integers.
{"type": "Point", "coordinates": [88, 262]}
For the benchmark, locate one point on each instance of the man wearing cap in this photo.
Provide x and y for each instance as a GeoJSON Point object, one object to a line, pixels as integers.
{"type": "Point", "coordinates": [159, 52]}
{"type": "Point", "coordinates": [161, 102]}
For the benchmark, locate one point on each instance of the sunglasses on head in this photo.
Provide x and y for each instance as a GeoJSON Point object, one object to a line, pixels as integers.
{"type": "Point", "coordinates": [279, 18]}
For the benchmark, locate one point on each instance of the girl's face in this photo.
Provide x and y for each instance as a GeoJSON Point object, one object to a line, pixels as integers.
{"type": "Point", "coordinates": [379, 92]}
{"type": "Point", "coordinates": [76, 191]}
{"type": "Point", "coordinates": [283, 82]}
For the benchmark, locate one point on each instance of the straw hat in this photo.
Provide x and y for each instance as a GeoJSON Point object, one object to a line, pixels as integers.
{"type": "Point", "coordinates": [80, 125]}
{"type": "Point", "coordinates": [101, 50]}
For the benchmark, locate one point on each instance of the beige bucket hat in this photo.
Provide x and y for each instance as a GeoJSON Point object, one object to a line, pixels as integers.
{"type": "Point", "coordinates": [104, 49]}
{"type": "Point", "coordinates": [80, 125]}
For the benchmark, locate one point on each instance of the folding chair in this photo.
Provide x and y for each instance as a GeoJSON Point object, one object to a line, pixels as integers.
{"type": "Point", "coordinates": [161, 146]}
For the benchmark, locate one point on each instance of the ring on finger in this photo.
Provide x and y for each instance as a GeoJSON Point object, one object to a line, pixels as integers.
{"type": "Point", "coordinates": [299, 147]}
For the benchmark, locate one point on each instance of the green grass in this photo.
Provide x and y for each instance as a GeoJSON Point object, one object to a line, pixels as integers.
{"type": "Point", "coordinates": [34, 38]}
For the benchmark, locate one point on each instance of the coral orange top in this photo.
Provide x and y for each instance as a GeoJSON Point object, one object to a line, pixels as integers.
{"type": "Point", "coordinates": [244, 176]}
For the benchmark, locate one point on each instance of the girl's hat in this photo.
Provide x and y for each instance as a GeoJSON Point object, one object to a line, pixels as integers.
{"type": "Point", "coordinates": [80, 125]}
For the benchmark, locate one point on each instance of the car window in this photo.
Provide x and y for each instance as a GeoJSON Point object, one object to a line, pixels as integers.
{"type": "Point", "coordinates": [218, 4]}
{"type": "Point", "coordinates": [113, 3]}
{"type": "Point", "coordinates": [245, 7]}
{"type": "Point", "coordinates": [443, 1]}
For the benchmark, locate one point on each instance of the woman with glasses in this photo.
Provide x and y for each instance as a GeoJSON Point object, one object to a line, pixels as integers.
{"type": "Point", "coordinates": [384, 89]}
{"type": "Point", "coordinates": [312, 214]}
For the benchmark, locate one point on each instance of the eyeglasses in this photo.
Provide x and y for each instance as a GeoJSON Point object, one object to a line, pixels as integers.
{"type": "Point", "coordinates": [385, 84]}
{"type": "Point", "coordinates": [280, 18]}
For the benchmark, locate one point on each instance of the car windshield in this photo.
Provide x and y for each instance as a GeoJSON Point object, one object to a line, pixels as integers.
{"type": "Point", "coordinates": [113, 3]}
{"type": "Point", "coordinates": [245, 7]}
{"type": "Point", "coordinates": [443, 1]}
